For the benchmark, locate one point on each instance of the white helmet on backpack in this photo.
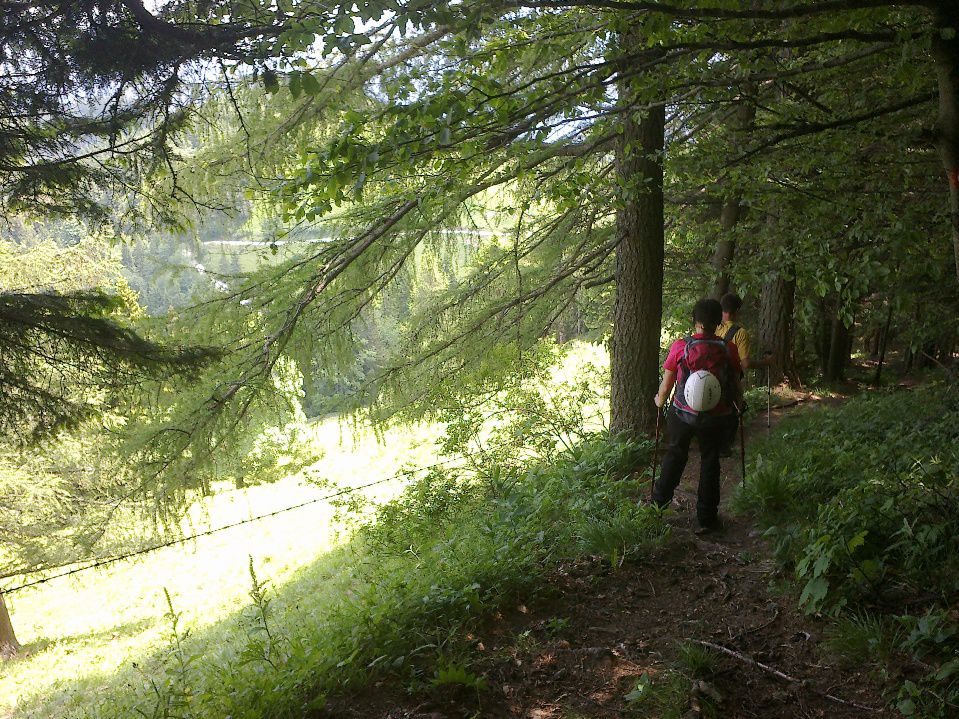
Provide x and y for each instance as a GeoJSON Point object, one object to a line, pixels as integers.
{"type": "Point", "coordinates": [702, 391]}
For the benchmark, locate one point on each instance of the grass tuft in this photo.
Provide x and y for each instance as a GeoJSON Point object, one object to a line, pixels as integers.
{"type": "Point", "coordinates": [864, 639]}
{"type": "Point", "coordinates": [697, 660]}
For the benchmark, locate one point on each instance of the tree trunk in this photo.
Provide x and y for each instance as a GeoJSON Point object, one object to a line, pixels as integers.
{"type": "Point", "coordinates": [637, 314]}
{"type": "Point", "coordinates": [873, 342]}
{"type": "Point", "coordinates": [726, 247]}
{"type": "Point", "coordinates": [9, 646]}
{"type": "Point", "coordinates": [883, 344]}
{"type": "Point", "coordinates": [776, 327]}
{"type": "Point", "coordinates": [732, 208]}
{"type": "Point", "coordinates": [840, 350]}
{"type": "Point", "coordinates": [911, 353]}
{"type": "Point", "coordinates": [945, 53]}
{"type": "Point", "coordinates": [823, 332]}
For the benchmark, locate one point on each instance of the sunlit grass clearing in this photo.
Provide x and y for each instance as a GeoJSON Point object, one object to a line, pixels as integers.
{"type": "Point", "coordinates": [92, 624]}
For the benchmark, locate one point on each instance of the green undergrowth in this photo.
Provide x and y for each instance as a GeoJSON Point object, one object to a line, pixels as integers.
{"type": "Point", "coordinates": [862, 504]}
{"type": "Point", "coordinates": [399, 598]}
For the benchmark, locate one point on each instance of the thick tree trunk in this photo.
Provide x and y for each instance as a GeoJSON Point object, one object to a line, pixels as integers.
{"type": "Point", "coordinates": [776, 326]}
{"type": "Point", "coordinates": [945, 53]}
{"type": "Point", "coordinates": [637, 315]}
{"type": "Point", "coordinates": [9, 646]}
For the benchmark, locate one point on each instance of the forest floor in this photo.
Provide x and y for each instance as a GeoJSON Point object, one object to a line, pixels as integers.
{"type": "Point", "coordinates": [599, 641]}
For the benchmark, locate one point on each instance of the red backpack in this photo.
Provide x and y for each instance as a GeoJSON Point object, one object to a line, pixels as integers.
{"type": "Point", "coordinates": [712, 355]}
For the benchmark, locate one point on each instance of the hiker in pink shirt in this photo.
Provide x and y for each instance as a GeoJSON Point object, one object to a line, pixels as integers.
{"type": "Point", "coordinates": [705, 370]}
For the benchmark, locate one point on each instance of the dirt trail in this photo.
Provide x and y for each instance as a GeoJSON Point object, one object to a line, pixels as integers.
{"type": "Point", "coordinates": [580, 647]}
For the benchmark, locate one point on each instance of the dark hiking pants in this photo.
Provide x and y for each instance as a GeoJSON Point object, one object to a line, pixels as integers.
{"type": "Point", "coordinates": [678, 436]}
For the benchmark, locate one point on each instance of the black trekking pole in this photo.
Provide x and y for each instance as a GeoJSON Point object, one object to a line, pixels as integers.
{"type": "Point", "coordinates": [769, 398]}
{"type": "Point", "coordinates": [652, 482]}
{"type": "Point", "coordinates": [769, 392]}
{"type": "Point", "coordinates": [742, 443]}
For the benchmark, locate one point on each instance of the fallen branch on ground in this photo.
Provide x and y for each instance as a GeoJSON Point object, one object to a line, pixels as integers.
{"type": "Point", "coordinates": [780, 675]}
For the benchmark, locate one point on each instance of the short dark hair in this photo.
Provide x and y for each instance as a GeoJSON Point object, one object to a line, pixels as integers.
{"type": "Point", "coordinates": [708, 313]}
{"type": "Point", "coordinates": [731, 302]}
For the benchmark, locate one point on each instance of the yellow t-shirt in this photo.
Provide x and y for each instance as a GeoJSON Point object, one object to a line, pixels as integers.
{"type": "Point", "coordinates": [741, 338]}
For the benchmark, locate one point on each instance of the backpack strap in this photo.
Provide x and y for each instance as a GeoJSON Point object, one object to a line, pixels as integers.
{"type": "Point", "coordinates": [731, 332]}
{"type": "Point", "coordinates": [728, 337]}
{"type": "Point", "coordinates": [686, 342]}
{"type": "Point", "coordinates": [682, 374]}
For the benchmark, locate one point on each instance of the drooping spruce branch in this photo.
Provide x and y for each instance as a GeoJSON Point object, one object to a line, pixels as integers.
{"type": "Point", "coordinates": [60, 350]}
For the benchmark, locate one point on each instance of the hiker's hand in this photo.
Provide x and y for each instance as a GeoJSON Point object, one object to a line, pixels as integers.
{"type": "Point", "coordinates": [657, 400]}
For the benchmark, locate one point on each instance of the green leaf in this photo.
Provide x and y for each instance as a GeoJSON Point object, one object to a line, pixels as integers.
{"type": "Point", "coordinates": [857, 541]}
{"type": "Point", "coordinates": [821, 565]}
{"type": "Point", "coordinates": [344, 24]}
{"type": "Point", "coordinates": [871, 569]}
{"type": "Point", "coordinates": [270, 82]}
{"type": "Point", "coordinates": [907, 707]}
{"type": "Point", "coordinates": [947, 670]}
{"type": "Point", "coordinates": [814, 593]}
{"type": "Point", "coordinates": [311, 86]}
{"type": "Point", "coordinates": [641, 691]}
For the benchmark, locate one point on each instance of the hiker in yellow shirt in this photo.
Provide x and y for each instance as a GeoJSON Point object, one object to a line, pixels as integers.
{"type": "Point", "coordinates": [731, 331]}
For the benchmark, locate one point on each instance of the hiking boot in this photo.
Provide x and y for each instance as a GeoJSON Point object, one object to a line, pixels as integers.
{"type": "Point", "coordinates": [700, 528]}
